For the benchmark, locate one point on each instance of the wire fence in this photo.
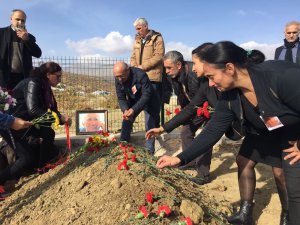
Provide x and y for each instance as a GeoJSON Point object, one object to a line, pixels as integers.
{"type": "Point", "coordinates": [88, 84]}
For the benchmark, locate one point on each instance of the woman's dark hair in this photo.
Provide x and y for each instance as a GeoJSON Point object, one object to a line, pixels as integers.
{"type": "Point", "coordinates": [227, 52]}
{"type": "Point", "coordinates": [201, 49]}
{"type": "Point", "coordinates": [45, 68]}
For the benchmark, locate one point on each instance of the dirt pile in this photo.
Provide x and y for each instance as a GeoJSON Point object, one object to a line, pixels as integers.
{"type": "Point", "coordinates": [91, 190]}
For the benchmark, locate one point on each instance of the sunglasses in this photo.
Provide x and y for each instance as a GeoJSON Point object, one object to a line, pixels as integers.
{"type": "Point", "coordinates": [295, 32]}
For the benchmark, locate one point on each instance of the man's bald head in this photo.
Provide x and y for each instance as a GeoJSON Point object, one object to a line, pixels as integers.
{"type": "Point", "coordinates": [121, 71]}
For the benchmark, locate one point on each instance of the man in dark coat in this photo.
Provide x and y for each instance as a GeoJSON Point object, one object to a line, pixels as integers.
{"type": "Point", "coordinates": [17, 47]}
{"type": "Point", "coordinates": [290, 51]}
{"type": "Point", "coordinates": [185, 85]}
{"type": "Point", "coordinates": [135, 94]}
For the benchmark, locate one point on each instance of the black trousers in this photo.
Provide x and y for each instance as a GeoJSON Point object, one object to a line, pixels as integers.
{"type": "Point", "coordinates": [46, 151]}
{"type": "Point", "coordinates": [202, 162]}
{"type": "Point", "coordinates": [24, 158]}
{"type": "Point", "coordinates": [292, 178]}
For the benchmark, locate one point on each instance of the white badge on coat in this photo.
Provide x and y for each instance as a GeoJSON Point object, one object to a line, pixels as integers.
{"type": "Point", "coordinates": [133, 89]}
{"type": "Point", "coordinates": [272, 123]}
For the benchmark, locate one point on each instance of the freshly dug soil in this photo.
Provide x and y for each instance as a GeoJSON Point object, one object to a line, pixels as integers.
{"type": "Point", "coordinates": [91, 190]}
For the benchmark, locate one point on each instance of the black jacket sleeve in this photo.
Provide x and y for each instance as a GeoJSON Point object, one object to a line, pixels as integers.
{"type": "Point", "coordinates": [187, 113]}
{"type": "Point", "coordinates": [146, 90]}
{"type": "Point", "coordinates": [213, 131]}
{"type": "Point", "coordinates": [121, 96]}
{"type": "Point", "coordinates": [32, 47]}
{"type": "Point", "coordinates": [33, 95]}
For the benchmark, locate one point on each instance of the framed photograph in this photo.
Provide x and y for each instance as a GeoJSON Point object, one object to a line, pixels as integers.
{"type": "Point", "coordinates": [91, 121]}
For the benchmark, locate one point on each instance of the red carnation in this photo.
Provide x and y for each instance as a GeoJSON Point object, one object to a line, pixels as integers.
{"type": "Point", "coordinates": [204, 110]}
{"type": "Point", "coordinates": [105, 134]}
{"type": "Point", "coordinates": [123, 165]}
{"type": "Point", "coordinates": [149, 197]}
{"type": "Point", "coordinates": [168, 113]}
{"type": "Point", "coordinates": [143, 213]}
{"type": "Point", "coordinates": [177, 110]}
{"type": "Point", "coordinates": [186, 220]}
{"type": "Point", "coordinates": [131, 148]}
{"type": "Point", "coordinates": [163, 211]}
{"type": "Point", "coordinates": [91, 140]}
{"type": "Point", "coordinates": [133, 158]}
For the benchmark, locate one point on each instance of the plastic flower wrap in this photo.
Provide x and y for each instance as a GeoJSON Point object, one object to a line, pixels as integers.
{"type": "Point", "coordinates": [48, 117]}
{"type": "Point", "coordinates": [6, 100]}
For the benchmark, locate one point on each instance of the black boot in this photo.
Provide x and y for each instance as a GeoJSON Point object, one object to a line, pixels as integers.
{"type": "Point", "coordinates": [244, 216]}
{"type": "Point", "coordinates": [284, 217]}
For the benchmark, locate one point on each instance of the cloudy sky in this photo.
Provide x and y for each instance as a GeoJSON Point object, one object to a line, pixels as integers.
{"type": "Point", "coordinates": [105, 27]}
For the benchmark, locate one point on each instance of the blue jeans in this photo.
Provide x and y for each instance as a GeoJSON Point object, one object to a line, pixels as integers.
{"type": "Point", "coordinates": [151, 121]}
{"type": "Point", "coordinates": [152, 118]}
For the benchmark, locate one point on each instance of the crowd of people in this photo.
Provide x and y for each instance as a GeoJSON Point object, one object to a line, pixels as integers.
{"type": "Point", "coordinates": [253, 100]}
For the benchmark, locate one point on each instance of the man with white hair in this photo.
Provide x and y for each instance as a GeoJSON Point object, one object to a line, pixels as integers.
{"type": "Point", "coordinates": [290, 51]}
{"type": "Point", "coordinates": [147, 53]}
{"type": "Point", "coordinates": [92, 122]}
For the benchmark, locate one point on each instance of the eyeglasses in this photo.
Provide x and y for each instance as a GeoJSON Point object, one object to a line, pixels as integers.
{"type": "Point", "coordinates": [57, 76]}
{"type": "Point", "coordinates": [294, 32]}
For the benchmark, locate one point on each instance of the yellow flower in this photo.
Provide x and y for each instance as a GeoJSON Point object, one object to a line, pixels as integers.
{"type": "Point", "coordinates": [56, 123]}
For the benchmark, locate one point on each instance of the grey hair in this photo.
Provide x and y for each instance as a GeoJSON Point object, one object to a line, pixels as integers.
{"type": "Point", "coordinates": [18, 10]}
{"type": "Point", "coordinates": [141, 21]}
{"type": "Point", "coordinates": [293, 23]}
{"type": "Point", "coordinates": [174, 56]}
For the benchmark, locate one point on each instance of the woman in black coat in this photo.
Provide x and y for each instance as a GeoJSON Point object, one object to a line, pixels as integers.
{"type": "Point", "coordinates": [34, 98]}
{"type": "Point", "coordinates": [265, 100]}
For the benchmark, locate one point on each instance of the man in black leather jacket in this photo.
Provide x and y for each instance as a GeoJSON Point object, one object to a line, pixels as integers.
{"type": "Point", "coordinates": [186, 86]}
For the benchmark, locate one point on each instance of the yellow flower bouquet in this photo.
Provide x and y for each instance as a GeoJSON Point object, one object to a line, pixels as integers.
{"type": "Point", "coordinates": [48, 117]}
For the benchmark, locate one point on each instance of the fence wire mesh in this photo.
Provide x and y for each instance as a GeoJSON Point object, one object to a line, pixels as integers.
{"type": "Point", "coordinates": [88, 84]}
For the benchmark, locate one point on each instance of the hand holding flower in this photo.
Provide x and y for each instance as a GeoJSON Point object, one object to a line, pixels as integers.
{"type": "Point", "coordinates": [19, 124]}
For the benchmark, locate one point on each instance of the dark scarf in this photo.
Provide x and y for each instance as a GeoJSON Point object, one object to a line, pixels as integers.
{"type": "Point", "coordinates": [289, 46]}
{"type": "Point", "coordinates": [49, 98]}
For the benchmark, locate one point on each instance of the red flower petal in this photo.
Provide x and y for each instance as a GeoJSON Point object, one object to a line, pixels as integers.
{"type": "Point", "coordinates": [123, 165]}
{"type": "Point", "coordinates": [199, 111]}
{"type": "Point", "coordinates": [168, 113]}
{"type": "Point", "coordinates": [177, 110]}
{"type": "Point", "coordinates": [206, 113]}
{"type": "Point", "coordinates": [187, 220]}
{"type": "Point", "coordinates": [205, 104]}
{"type": "Point", "coordinates": [133, 158]}
{"type": "Point", "coordinates": [144, 210]}
{"type": "Point", "coordinates": [149, 197]}
{"type": "Point", "coordinates": [163, 210]}
{"type": "Point", "coordinates": [105, 134]}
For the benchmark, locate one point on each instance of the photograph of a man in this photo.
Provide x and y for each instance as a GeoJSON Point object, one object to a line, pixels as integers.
{"type": "Point", "coordinates": [92, 122]}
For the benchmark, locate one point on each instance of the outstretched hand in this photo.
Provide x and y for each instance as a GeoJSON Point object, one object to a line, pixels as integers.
{"type": "Point", "coordinates": [293, 153]}
{"type": "Point", "coordinates": [154, 132]}
{"type": "Point", "coordinates": [128, 113]}
{"type": "Point", "coordinates": [168, 161]}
